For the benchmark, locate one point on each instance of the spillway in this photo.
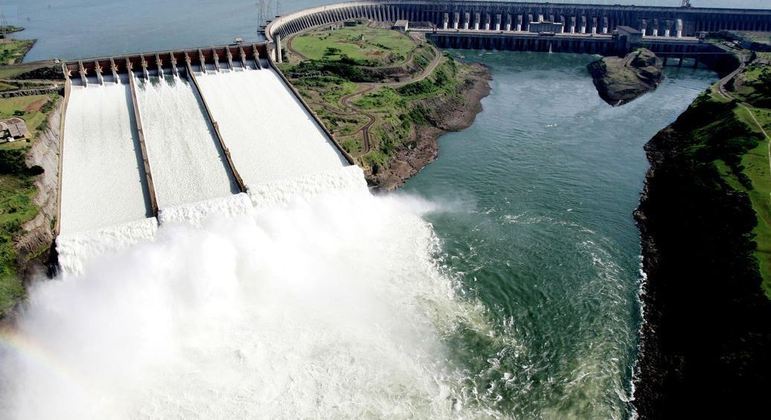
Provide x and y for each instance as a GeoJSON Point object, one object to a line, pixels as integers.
{"type": "Point", "coordinates": [188, 165]}
{"type": "Point", "coordinates": [103, 181]}
{"type": "Point", "coordinates": [269, 133]}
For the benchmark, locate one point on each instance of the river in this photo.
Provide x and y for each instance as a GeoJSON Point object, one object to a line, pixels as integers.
{"type": "Point", "coordinates": [533, 203]}
{"type": "Point", "coordinates": [537, 221]}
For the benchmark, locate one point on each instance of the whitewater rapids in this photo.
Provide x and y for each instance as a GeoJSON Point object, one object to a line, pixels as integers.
{"type": "Point", "coordinates": [324, 305]}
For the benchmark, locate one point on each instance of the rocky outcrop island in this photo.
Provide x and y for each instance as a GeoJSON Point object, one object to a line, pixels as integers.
{"type": "Point", "coordinates": [620, 80]}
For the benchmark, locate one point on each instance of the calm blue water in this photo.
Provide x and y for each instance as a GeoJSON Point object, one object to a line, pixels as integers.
{"type": "Point", "coordinates": [89, 28]}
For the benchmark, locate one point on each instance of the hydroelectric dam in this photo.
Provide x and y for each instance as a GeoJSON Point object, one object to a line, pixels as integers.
{"type": "Point", "coordinates": [534, 26]}
{"type": "Point", "coordinates": [172, 136]}
{"type": "Point", "coordinates": [502, 281]}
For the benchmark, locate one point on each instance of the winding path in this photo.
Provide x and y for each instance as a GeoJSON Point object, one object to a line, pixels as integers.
{"type": "Point", "coordinates": [346, 101]}
{"type": "Point", "coordinates": [368, 87]}
{"type": "Point", "coordinates": [725, 94]}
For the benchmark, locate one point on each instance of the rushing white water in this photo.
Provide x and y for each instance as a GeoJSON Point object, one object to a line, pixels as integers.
{"type": "Point", "coordinates": [271, 194]}
{"type": "Point", "coordinates": [270, 135]}
{"type": "Point", "coordinates": [76, 249]}
{"type": "Point", "coordinates": [328, 306]}
{"type": "Point", "coordinates": [196, 213]}
{"type": "Point", "coordinates": [186, 162]}
{"type": "Point", "coordinates": [102, 181]}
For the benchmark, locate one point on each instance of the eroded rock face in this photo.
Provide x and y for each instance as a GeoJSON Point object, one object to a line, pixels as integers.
{"type": "Point", "coordinates": [39, 232]}
{"type": "Point", "coordinates": [621, 80]}
{"type": "Point", "coordinates": [446, 113]}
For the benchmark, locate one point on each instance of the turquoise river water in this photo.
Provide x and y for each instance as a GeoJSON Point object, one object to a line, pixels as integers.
{"type": "Point", "coordinates": [537, 221]}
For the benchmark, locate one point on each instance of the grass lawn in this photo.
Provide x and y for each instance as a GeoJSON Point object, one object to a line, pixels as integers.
{"type": "Point", "coordinates": [10, 72]}
{"type": "Point", "coordinates": [13, 50]}
{"type": "Point", "coordinates": [32, 109]}
{"type": "Point", "coordinates": [360, 43]}
{"type": "Point", "coordinates": [756, 166]}
{"type": "Point", "coordinates": [342, 61]}
{"type": "Point", "coordinates": [17, 190]}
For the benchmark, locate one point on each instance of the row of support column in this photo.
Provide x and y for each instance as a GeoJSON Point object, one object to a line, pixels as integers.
{"type": "Point", "coordinates": [508, 43]}
{"type": "Point", "coordinates": [581, 24]}
{"type": "Point", "coordinates": [491, 20]}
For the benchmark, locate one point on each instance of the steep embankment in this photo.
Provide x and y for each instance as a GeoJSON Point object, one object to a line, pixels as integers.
{"type": "Point", "coordinates": [706, 340]}
{"type": "Point", "coordinates": [620, 80]}
{"type": "Point", "coordinates": [28, 184]}
{"type": "Point", "coordinates": [447, 107]}
{"type": "Point", "coordinates": [38, 233]}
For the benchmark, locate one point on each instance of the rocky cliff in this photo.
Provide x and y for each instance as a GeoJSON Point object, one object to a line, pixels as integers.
{"type": "Point", "coordinates": [706, 340]}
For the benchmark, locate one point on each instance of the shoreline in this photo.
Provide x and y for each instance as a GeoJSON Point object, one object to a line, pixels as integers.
{"type": "Point", "coordinates": [448, 116]}
{"type": "Point", "coordinates": [27, 50]}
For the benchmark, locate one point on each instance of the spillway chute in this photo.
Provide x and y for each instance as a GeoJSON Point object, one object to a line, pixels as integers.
{"type": "Point", "coordinates": [103, 180]}
{"type": "Point", "coordinates": [183, 136]}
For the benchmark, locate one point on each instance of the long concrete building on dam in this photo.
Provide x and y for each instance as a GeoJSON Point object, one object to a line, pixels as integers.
{"type": "Point", "coordinates": [589, 28]}
{"type": "Point", "coordinates": [520, 16]}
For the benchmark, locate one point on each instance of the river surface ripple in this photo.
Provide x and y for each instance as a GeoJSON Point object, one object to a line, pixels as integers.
{"type": "Point", "coordinates": [536, 221]}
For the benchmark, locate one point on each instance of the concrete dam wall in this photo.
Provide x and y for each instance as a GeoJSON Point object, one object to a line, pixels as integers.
{"type": "Point", "coordinates": [594, 29]}
{"type": "Point", "coordinates": [486, 16]}
{"type": "Point", "coordinates": [172, 136]}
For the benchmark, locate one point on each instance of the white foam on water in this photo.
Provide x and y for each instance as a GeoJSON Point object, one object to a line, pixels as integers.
{"type": "Point", "coordinates": [77, 249]}
{"type": "Point", "coordinates": [196, 213]}
{"type": "Point", "coordinates": [185, 161]}
{"type": "Point", "coordinates": [269, 133]}
{"type": "Point", "coordinates": [102, 182]}
{"type": "Point", "coordinates": [329, 305]}
{"type": "Point", "coordinates": [349, 178]}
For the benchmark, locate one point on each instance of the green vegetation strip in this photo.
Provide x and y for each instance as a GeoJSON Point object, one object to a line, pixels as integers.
{"type": "Point", "coordinates": [17, 190]}
{"type": "Point", "coordinates": [13, 50]}
{"type": "Point", "coordinates": [364, 45]}
{"type": "Point", "coordinates": [731, 137]}
{"type": "Point", "coordinates": [357, 79]}
{"type": "Point", "coordinates": [16, 208]}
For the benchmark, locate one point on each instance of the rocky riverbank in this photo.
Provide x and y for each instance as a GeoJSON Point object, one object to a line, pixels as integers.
{"type": "Point", "coordinates": [621, 80]}
{"type": "Point", "coordinates": [705, 346]}
{"type": "Point", "coordinates": [445, 113]}
{"type": "Point", "coordinates": [38, 234]}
